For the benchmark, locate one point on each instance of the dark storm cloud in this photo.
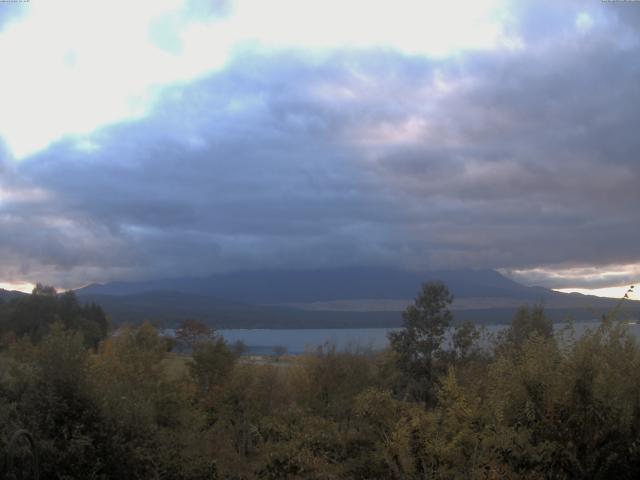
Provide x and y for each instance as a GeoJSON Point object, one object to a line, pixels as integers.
{"type": "Point", "coordinates": [246, 169]}
{"type": "Point", "coordinates": [510, 158]}
{"type": "Point", "coordinates": [536, 156]}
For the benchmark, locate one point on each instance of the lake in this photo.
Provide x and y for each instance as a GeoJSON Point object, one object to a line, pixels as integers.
{"type": "Point", "coordinates": [296, 341]}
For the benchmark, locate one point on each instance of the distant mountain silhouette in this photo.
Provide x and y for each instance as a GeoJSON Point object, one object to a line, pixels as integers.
{"type": "Point", "coordinates": [295, 286]}
{"type": "Point", "coordinates": [9, 294]}
{"type": "Point", "coordinates": [302, 298]}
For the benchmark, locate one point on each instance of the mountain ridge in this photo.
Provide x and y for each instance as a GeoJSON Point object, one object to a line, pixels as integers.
{"type": "Point", "coordinates": [347, 297]}
{"type": "Point", "coordinates": [9, 294]}
{"type": "Point", "coordinates": [287, 286]}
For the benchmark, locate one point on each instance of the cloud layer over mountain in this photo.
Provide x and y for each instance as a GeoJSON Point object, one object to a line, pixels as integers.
{"type": "Point", "coordinates": [522, 155]}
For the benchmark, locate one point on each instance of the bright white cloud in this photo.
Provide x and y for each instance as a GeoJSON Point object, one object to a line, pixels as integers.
{"type": "Point", "coordinates": [410, 26]}
{"type": "Point", "coordinates": [584, 22]}
{"type": "Point", "coordinates": [72, 66]}
{"type": "Point", "coordinates": [19, 286]}
{"type": "Point", "coordinates": [611, 292]}
{"type": "Point", "coordinates": [603, 281]}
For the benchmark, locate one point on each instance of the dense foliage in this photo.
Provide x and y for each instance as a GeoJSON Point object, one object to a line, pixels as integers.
{"type": "Point", "coordinates": [33, 315]}
{"type": "Point", "coordinates": [442, 402]}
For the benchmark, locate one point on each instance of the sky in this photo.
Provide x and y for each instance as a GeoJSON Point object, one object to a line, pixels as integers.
{"type": "Point", "coordinates": [171, 138]}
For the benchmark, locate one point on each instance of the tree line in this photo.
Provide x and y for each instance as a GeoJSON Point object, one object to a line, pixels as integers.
{"type": "Point", "coordinates": [443, 401]}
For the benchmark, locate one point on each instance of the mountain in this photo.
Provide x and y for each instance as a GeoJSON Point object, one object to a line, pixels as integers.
{"type": "Point", "coordinates": [9, 294]}
{"type": "Point", "coordinates": [346, 297]}
{"type": "Point", "coordinates": [168, 308]}
{"type": "Point", "coordinates": [299, 286]}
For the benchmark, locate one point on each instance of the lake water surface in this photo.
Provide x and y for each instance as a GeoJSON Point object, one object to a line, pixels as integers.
{"type": "Point", "coordinates": [296, 341]}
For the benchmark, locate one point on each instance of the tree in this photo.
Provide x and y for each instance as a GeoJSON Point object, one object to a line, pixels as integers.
{"type": "Point", "coordinates": [279, 351]}
{"type": "Point", "coordinates": [212, 362]}
{"type": "Point", "coordinates": [33, 315]}
{"type": "Point", "coordinates": [527, 323]}
{"type": "Point", "coordinates": [44, 291]}
{"type": "Point", "coordinates": [464, 340]}
{"type": "Point", "coordinates": [191, 332]}
{"type": "Point", "coordinates": [418, 344]}
{"type": "Point", "coordinates": [149, 423]}
{"type": "Point", "coordinates": [51, 386]}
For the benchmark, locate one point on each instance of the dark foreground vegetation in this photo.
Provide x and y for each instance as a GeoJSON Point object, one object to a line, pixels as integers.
{"type": "Point", "coordinates": [532, 405]}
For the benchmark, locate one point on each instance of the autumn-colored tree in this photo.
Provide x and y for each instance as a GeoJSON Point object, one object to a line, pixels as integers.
{"type": "Point", "coordinates": [537, 404]}
{"type": "Point", "coordinates": [191, 332]}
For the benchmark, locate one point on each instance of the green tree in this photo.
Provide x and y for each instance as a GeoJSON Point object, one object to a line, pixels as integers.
{"type": "Point", "coordinates": [526, 323]}
{"type": "Point", "coordinates": [51, 386]}
{"type": "Point", "coordinates": [418, 344]}
{"type": "Point", "coordinates": [211, 364]}
{"type": "Point", "coordinates": [464, 341]}
{"type": "Point", "coordinates": [33, 316]}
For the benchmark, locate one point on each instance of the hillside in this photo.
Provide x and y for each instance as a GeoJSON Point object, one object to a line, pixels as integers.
{"type": "Point", "coordinates": [335, 298]}
{"type": "Point", "coordinates": [9, 294]}
{"type": "Point", "coordinates": [289, 286]}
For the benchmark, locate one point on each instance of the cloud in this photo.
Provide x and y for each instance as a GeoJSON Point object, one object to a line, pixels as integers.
{"type": "Point", "coordinates": [594, 277]}
{"type": "Point", "coordinates": [522, 157]}
{"type": "Point", "coordinates": [227, 173]}
{"type": "Point", "coordinates": [11, 12]}
{"type": "Point", "coordinates": [71, 67]}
